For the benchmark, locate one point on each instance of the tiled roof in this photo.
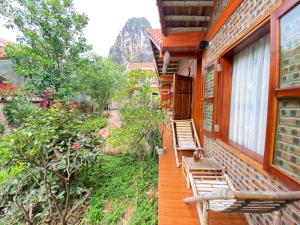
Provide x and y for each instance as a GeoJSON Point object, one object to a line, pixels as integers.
{"type": "Point", "coordinates": [156, 36]}
{"type": "Point", "coordinates": [145, 66]}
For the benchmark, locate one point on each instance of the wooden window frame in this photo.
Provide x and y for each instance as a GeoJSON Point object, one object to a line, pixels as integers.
{"type": "Point", "coordinates": [225, 88]}
{"type": "Point", "coordinates": [276, 93]}
{"type": "Point", "coordinates": [212, 99]}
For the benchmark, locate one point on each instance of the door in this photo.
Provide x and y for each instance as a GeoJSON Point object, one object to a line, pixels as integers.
{"type": "Point", "coordinates": [182, 97]}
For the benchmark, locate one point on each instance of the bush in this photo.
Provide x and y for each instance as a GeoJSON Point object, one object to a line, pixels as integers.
{"type": "Point", "coordinates": [17, 110]}
{"type": "Point", "coordinates": [1, 129]}
{"type": "Point", "coordinates": [39, 162]}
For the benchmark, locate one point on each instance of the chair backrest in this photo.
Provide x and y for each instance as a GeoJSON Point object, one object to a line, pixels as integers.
{"type": "Point", "coordinates": [261, 202]}
{"type": "Point", "coordinates": [246, 202]}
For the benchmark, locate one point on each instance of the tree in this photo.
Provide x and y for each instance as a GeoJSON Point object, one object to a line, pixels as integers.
{"type": "Point", "coordinates": [139, 116]}
{"type": "Point", "coordinates": [51, 46]}
{"type": "Point", "coordinates": [99, 78]}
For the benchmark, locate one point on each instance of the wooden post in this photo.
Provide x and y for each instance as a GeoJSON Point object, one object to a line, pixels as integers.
{"type": "Point", "coordinates": [277, 217]}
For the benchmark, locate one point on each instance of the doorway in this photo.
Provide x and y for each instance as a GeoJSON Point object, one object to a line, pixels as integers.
{"type": "Point", "coordinates": [182, 98]}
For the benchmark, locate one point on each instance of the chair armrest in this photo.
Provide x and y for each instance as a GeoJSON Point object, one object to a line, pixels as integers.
{"type": "Point", "coordinates": [218, 195]}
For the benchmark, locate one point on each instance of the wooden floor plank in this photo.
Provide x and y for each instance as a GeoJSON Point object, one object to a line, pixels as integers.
{"type": "Point", "coordinates": [172, 189]}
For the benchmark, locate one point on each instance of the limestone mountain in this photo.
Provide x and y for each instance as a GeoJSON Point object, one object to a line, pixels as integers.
{"type": "Point", "coordinates": [132, 43]}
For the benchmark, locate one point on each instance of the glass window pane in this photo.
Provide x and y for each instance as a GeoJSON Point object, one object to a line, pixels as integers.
{"type": "Point", "coordinates": [249, 96]}
{"type": "Point", "coordinates": [209, 82]}
{"type": "Point", "coordinates": [287, 148]}
{"type": "Point", "coordinates": [290, 49]}
{"type": "Point", "coordinates": [208, 115]}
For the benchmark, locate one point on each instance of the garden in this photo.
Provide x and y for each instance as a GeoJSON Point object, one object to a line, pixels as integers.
{"type": "Point", "coordinates": [53, 169]}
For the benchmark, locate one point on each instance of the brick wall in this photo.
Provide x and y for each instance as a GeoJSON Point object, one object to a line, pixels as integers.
{"type": "Point", "coordinates": [246, 178]}
{"type": "Point", "coordinates": [219, 6]}
{"type": "Point", "coordinates": [243, 17]}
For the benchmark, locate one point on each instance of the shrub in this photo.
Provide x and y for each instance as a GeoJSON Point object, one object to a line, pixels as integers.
{"type": "Point", "coordinates": [1, 129]}
{"type": "Point", "coordinates": [17, 110]}
{"type": "Point", "coordinates": [39, 163]}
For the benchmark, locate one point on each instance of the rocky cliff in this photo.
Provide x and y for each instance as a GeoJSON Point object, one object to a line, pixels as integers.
{"type": "Point", "coordinates": [132, 43]}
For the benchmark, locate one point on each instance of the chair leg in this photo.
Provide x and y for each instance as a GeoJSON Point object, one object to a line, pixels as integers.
{"type": "Point", "coordinates": [176, 157]}
{"type": "Point", "coordinates": [277, 217]}
{"type": "Point", "coordinates": [188, 184]}
{"type": "Point", "coordinates": [205, 213]}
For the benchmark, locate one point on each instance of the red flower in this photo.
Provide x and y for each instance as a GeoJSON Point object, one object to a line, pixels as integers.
{"type": "Point", "coordinates": [73, 106]}
{"type": "Point", "coordinates": [75, 146]}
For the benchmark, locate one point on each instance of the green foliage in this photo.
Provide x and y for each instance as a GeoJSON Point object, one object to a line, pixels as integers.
{"type": "Point", "coordinates": [1, 129]}
{"type": "Point", "coordinates": [138, 115]}
{"type": "Point", "coordinates": [51, 45]}
{"type": "Point", "coordinates": [121, 188]}
{"type": "Point", "coordinates": [17, 110]}
{"type": "Point", "coordinates": [94, 124]}
{"type": "Point", "coordinates": [38, 163]}
{"type": "Point", "coordinates": [99, 78]}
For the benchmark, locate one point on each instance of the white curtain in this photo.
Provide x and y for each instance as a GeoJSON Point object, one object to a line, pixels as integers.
{"type": "Point", "coordinates": [249, 98]}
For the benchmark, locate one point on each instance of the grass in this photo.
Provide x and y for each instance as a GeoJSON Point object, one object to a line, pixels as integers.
{"type": "Point", "coordinates": [121, 194]}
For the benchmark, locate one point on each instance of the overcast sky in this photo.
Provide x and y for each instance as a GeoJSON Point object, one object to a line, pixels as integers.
{"type": "Point", "coordinates": [106, 19]}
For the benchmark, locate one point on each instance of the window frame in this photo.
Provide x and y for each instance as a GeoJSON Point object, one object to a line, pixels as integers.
{"type": "Point", "coordinates": [276, 93]}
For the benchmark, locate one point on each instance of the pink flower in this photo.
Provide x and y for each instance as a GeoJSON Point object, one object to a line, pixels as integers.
{"type": "Point", "coordinates": [75, 146]}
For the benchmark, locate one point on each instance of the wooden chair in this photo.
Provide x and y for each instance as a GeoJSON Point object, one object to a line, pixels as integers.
{"type": "Point", "coordinates": [216, 193]}
{"type": "Point", "coordinates": [185, 137]}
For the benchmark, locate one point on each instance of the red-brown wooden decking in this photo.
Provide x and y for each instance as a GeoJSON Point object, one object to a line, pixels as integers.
{"type": "Point", "coordinates": [172, 189]}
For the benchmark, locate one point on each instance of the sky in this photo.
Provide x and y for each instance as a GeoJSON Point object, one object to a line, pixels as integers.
{"type": "Point", "coordinates": [106, 19]}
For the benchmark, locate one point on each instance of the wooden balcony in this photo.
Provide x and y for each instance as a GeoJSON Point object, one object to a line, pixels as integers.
{"type": "Point", "coordinates": [172, 189]}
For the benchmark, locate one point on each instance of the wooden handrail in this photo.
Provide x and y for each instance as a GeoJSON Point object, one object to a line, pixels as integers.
{"type": "Point", "coordinates": [196, 135]}
{"type": "Point", "coordinates": [173, 135]}
{"type": "Point", "coordinates": [239, 195]}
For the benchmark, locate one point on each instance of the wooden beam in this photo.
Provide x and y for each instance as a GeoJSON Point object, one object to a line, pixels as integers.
{"type": "Point", "coordinates": [161, 17]}
{"type": "Point", "coordinates": [187, 3]}
{"type": "Point", "coordinates": [169, 70]}
{"type": "Point", "coordinates": [170, 64]}
{"type": "Point", "coordinates": [186, 29]}
{"type": "Point", "coordinates": [187, 18]}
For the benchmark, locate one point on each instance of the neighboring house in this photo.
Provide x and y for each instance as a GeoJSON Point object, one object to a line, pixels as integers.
{"type": "Point", "coordinates": [233, 66]}
{"type": "Point", "coordinates": [8, 78]}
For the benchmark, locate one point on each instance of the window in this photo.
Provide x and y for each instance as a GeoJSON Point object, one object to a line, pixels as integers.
{"type": "Point", "coordinates": [249, 96]}
{"type": "Point", "coordinates": [283, 139]}
{"type": "Point", "coordinates": [208, 100]}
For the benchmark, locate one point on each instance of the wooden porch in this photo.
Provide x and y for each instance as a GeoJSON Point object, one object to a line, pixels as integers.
{"type": "Point", "coordinates": [172, 189]}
